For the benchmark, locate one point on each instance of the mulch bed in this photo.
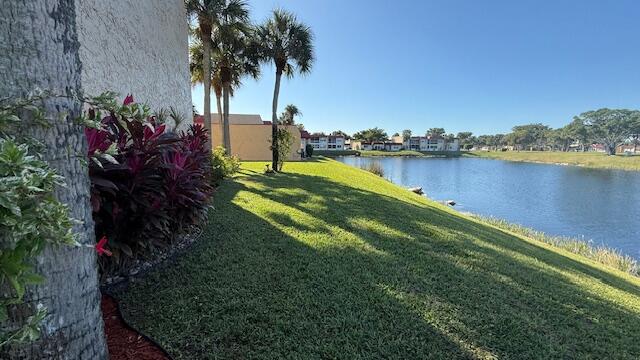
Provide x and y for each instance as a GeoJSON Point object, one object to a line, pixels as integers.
{"type": "Point", "coordinates": [123, 342]}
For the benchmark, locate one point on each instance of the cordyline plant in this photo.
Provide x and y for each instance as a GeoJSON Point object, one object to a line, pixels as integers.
{"type": "Point", "coordinates": [147, 184]}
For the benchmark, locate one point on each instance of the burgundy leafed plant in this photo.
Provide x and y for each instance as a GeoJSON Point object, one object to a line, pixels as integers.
{"type": "Point", "coordinates": [152, 185]}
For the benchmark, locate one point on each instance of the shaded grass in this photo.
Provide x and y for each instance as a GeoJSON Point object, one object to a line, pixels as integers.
{"type": "Point", "coordinates": [588, 159]}
{"type": "Point", "coordinates": [329, 261]}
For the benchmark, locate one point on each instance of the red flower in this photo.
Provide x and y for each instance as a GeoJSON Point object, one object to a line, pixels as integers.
{"type": "Point", "coordinates": [128, 100]}
{"type": "Point", "coordinates": [100, 247]}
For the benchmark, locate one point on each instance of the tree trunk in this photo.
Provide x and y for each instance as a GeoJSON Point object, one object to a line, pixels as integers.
{"type": "Point", "coordinates": [274, 122]}
{"type": "Point", "coordinates": [39, 47]}
{"type": "Point", "coordinates": [220, 115]}
{"type": "Point", "coordinates": [226, 133]}
{"type": "Point", "coordinates": [611, 149]}
{"type": "Point", "coordinates": [205, 33]}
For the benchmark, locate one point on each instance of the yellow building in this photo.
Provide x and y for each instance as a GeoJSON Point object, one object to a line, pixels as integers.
{"type": "Point", "coordinates": [251, 137]}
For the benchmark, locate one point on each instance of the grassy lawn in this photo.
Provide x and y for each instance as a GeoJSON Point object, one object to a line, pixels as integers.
{"type": "Point", "coordinates": [329, 261]}
{"type": "Point", "coordinates": [590, 159]}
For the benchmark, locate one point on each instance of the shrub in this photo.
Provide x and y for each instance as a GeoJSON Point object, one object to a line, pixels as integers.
{"type": "Point", "coordinates": [285, 140]}
{"type": "Point", "coordinates": [309, 150]}
{"type": "Point", "coordinates": [374, 168]}
{"type": "Point", "coordinates": [222, 165]}
{"type": "Point", "coordinates": [30, 216]}
{"type": "Point", "coordinates": [147, 185]}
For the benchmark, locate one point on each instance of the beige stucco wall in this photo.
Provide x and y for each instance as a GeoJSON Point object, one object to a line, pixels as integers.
{"type": "Point", "coordinates": [138, 47]}
{"type": "Point", "coordinates": [253, 142]}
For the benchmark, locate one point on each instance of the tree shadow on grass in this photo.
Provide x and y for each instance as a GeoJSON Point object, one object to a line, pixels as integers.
{"type": "Point", "coordinates": [349, 273]}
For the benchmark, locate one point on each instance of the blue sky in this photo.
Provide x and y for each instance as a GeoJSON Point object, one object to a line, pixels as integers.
{"type": "Point", "coordinates": [465, 65]}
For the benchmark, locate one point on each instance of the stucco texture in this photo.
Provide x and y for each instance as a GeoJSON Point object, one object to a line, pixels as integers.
{"type": "Point", "coordinates": [137, 47]}
{"type": "Point", "coordinates": [253, 142]}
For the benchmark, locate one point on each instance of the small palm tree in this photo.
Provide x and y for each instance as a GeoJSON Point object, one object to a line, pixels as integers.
{"type": "Point", "coordinates": [289, 114]}
{"type": "Point", "coordinates": [234, 53]}
{"type": "Point", "coordinates": [288, 44]}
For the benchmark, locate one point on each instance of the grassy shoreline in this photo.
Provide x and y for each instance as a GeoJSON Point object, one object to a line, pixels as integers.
{"type": "Point", "coordinates": [588, 160]}
{"type": "Point", "coordinates": [329, 261]}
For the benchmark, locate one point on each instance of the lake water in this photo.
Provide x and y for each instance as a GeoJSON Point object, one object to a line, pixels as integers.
{"type": "Point", "coordinates": [601, 206]}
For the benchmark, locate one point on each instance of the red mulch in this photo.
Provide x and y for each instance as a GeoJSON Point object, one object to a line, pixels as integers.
{"type": "Point", "coordinates": [123, 342]}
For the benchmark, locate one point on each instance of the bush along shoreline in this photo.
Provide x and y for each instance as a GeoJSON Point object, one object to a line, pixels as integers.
{"type": "Point", "coordinates": [600, 253]}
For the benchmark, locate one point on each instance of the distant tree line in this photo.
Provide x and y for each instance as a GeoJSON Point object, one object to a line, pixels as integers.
{"type": "Point", "coordinates": [608, 127]}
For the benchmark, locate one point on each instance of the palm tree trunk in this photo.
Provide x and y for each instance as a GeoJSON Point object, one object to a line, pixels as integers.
{"type": "Point", "coordinates": [220, 114]}
{"type": "Point", "coordinates": [226, 133]}
{"type": "Point", "coordinates": [40, 50]}
{"type": "Point", "coordinates": [205, 33]}
{"type": "Point", "coordinates": [274, 122]}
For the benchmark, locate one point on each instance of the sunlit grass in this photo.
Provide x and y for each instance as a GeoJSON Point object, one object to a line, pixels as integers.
{"type": "Point", "coordinates": [329, 261]}
{"type": "Point", "coordinates": [588, 159]}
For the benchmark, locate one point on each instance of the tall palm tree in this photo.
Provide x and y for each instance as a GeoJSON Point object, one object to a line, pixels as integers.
{"type": "Point", "coordinates": [288, 44]}
{"type": "Point", "coordinates": [44, 54]}
{"type": "Point", "coordinates": [197, 73]}
{"type": "Point", "coordinates": [289, 114]}
{"type": "Point", "coordinates": [204, 12]}
{"type": "Point", "coordinates": [234, 54]}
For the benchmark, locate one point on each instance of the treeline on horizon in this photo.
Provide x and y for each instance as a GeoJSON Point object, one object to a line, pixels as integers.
{"type": "Point", "coordinates": [608, 127]}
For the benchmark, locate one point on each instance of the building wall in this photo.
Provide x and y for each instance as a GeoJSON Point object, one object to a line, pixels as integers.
{"type": "Point", "coordinates": [253, 142]}
{"type": "Point", "coordinates": [147, 56]}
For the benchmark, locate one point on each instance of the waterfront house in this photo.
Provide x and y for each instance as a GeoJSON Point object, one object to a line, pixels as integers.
{"type": "Point", "coordinates": [431, 143]}
{"type": "Point", "coordinates": [323, 142]}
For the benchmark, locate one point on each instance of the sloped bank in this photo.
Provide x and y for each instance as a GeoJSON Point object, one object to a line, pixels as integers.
{"type": "Point", "coordinates": [327, 260]}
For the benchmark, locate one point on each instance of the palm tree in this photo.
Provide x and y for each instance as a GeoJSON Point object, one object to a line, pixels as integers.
{"type": "Point", "coordinates": [288, 44]}
{"type": "Point", "coordinates": [289, 114]}
{"type": "Point", "coordinates": [49, 60]}
{"type": "Point", "coordinates": [234, 54]}
{"type": "Point", "coordinates": [197, 76]}
{"type": "Point", "coordinates": [204, 12]}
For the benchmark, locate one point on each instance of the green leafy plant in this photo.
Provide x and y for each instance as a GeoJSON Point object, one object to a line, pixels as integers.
{"type": "Point", "coordinates": [308, 149]}
{"type": "Point", "coordinates": [30, 216]}
{"type": "Point", "coordinates": [223, 165]}
{"type": "Point", "coordinates": [284, 142]}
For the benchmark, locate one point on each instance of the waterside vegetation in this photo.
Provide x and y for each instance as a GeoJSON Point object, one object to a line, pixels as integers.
{"type": "Point", "coordinates": [587, 159]}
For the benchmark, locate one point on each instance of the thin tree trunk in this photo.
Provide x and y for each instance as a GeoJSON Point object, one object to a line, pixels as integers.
{"type": "Point", "coordinates": [220, 114]}
{"type": "Point", "coordinates": [274, 122]}
{"type": "Point", "coordinates": [39, 47]}
{"type": "Point", "coordinates": [226, 133]}
{"type": "Point", "coordinates": [205, 33]}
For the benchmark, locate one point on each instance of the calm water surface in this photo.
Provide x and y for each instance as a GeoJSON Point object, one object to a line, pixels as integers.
{"type": "Point", "coordinates": [602, 206]}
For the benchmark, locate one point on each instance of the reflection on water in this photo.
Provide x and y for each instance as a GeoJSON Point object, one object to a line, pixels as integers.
{"type": "Point", "coordinates": [598, 205]}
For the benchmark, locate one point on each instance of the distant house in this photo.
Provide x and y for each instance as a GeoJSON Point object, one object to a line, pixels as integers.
{"type": "Point", "coordinates": [375, 145]}
{"type": "Point", "coordinates": [431, 143]}
{"type": "Point", "coordinates": [393, 146]}
{"type": "Point", "coordinates": [250, 136]}
{"type": "Point", "coordinates": [323, 142]}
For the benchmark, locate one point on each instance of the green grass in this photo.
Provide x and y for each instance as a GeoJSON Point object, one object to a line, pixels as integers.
{"type": "Point", "coordinates": [589, 159]}
{"type": "Point", "coordinates": [329, 261]}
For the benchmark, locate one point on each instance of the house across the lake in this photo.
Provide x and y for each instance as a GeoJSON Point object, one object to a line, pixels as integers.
{"type": "Point", "coordinates": [323, 142]}
{"type": "Point", "coordinates": [250, 136]}
{"type": "Point", "coordinates": [431, 143]}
